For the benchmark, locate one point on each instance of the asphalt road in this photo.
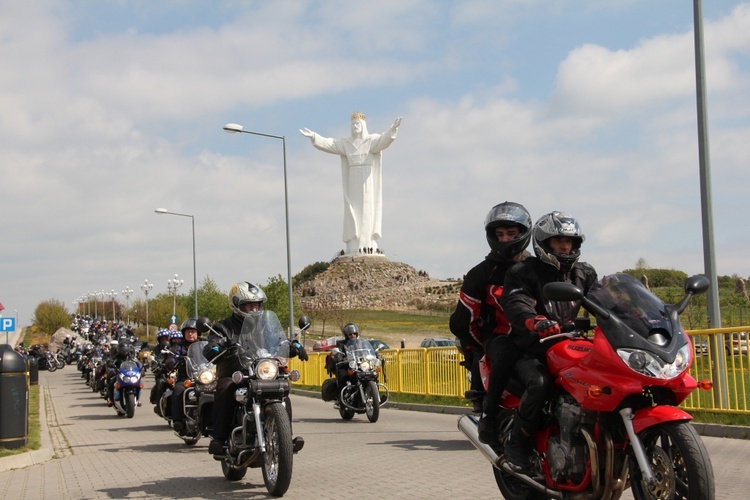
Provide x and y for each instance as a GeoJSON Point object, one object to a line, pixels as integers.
{"type": "Point", "coordinates": [406, 454]}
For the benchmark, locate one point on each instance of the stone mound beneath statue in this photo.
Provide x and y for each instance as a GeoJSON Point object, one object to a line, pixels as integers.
{"type": "Point", "coordinates": [374, 282]}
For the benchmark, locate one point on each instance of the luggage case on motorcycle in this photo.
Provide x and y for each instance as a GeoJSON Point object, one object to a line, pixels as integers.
{"type": "Point", "coordinates": [328, 391]}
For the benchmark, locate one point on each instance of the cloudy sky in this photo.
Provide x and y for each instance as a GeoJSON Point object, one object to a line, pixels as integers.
{"type": "Point", "coordinates": [111, 109]}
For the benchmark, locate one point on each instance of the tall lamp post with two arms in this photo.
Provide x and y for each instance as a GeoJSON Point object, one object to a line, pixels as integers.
{"type": "Point", "coordinates": [233, 128]}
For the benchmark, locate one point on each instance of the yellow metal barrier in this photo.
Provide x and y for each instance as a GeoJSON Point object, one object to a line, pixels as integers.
{"type": "Point", "coordinates": [708, 344]}
{"type": "Point", "coordinates": [436, 371]}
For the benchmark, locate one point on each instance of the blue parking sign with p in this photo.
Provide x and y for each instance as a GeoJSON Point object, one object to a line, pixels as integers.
{"type": "Point", "coordinates": [7, 324]}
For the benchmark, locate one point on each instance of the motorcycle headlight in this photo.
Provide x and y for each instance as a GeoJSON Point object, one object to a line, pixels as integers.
{"type": "Point", "coordinates": [129, 379]}
{"type": "Point", "coordinates": [206, 377]}
{"type": "Point", "coordinates": [365, 366]}
{"type": "Point", "coordinates": [267, 369]}
{"type": "Point", "coordinates": [649, 365]}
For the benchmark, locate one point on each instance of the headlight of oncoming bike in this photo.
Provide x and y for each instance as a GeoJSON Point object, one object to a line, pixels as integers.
{"type": "Point", "coordinates": [365, 366]}
{"type": "Point", "coordinates": [652, 366]}
{"type": "Point", "coordinates": [267, 369]}
{"type": "Point", "coordinates": [206, 377]}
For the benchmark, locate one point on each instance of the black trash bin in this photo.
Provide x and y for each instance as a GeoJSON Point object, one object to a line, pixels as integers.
{"type": "Point", "coordinates": [33, 370]}
{"type": "Point", "coordinates": [14, 394]}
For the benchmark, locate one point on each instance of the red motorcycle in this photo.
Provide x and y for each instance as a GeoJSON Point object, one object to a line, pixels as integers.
{"type": "Point", "coordinates": [613, 421]}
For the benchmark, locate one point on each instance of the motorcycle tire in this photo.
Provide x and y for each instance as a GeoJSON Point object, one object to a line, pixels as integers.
{"type": "Point", "coordinates": [511, 487]}
{"type": "Point", "coordinates": [130, 405]}
{"type": "Point", "coordinates": [680, 462]}
{"type": "Point", "coordinates": [277, 460]}
{"type": "Point", "coordinates": [232, 473]}
{"type": "Point", "coordinates": [372, 401]}
{"type": "Point", "coordinates": [51, 366]}
{"type": "Point", "coordinates": [345, 412]}
{"type": "Point", "coordinates": [190, 440]}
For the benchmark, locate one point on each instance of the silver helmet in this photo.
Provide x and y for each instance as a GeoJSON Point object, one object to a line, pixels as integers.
{"type": "Point", "coordinates": [557, 224]}
{"type": "Point", "coordinates": [242, 293]}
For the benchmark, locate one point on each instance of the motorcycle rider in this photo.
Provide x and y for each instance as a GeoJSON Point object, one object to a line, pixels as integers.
{"type": "Point", "coordinates": [176, 359]}
{"type": "Point", "coordinates": [246, 301]}
{"type": "Point", "coordinates": [557, 239]}
{"type": "Point", "coordinates": [123, 352]}
{"type": "Point", "coordinates": [337, 362]}
{"type": "Point", "coordinates": [160, 352]}
{"type": "Point", "coordinates": [478, 321]}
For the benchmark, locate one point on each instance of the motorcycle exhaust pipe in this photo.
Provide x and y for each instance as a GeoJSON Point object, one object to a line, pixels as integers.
{"type": "Point", "coordinates": [469, 425]}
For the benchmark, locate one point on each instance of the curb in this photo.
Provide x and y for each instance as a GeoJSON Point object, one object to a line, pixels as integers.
{"type": "Point", "coordinates": [709, 430]}
{"type": "Point", "coordinates": [34, 457]}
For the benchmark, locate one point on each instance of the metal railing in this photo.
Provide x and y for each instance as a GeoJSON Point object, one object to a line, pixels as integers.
{"type": "Point", "coordinates": [436, 371]}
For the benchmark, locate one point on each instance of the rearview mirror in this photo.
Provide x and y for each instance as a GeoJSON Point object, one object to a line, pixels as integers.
{"type": "Point", "coordinates": [202, 324]}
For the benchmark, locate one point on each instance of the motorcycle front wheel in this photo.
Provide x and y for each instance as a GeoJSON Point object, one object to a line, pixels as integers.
{"type": "Point", "coordinates": [277, 460]}
{"type": "Point", "coordinates": [51, 365]}
{"type": "Point", "coordinates": [232, 473]}
{"type": "Point", "coordinates": [372, 401]}
{"type": "Point", "coordinates": [130, 405]}
{"type": "Point", "coordinates": [679, 461]}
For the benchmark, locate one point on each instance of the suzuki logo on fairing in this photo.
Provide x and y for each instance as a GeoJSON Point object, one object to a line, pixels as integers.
{"type": "Point", "coordinates": [579, 382]}
{"type": "Point", "coordinates": [579, 348]}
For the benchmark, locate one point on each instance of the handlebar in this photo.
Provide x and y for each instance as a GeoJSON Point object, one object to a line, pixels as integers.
{"type": "Point", "coordinates": [570, 335]}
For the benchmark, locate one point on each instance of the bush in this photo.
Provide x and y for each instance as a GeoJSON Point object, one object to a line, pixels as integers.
{"type": "Point", "coordinates": [49, 316]}
{"type": "Point", "coordinates": [309, 272]}
{"type": "Point", "coordinates": [659, 277]}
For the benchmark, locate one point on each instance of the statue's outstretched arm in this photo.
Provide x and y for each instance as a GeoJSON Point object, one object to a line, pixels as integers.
{"type": "Point", "coordinates": [306, 132]}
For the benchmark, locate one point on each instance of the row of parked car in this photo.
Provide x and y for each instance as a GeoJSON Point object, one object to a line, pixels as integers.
{"type": "Point", "coordinates": [735, 344]}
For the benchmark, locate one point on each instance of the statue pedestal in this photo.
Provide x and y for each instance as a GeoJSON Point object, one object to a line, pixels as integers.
{"type": "Point", "coordinates": [360, 257]}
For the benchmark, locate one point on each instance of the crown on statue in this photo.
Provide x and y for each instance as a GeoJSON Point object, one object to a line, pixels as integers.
{"type": "Point", "coordinates": [358, 116]}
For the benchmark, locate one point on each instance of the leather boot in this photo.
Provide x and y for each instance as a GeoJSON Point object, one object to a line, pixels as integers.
{"type": "Point", "coordinates": [519, 449]}
{"type": "Point", "coordinates": [488, 429]}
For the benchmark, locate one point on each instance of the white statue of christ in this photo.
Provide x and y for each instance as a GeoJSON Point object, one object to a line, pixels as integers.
{"type": "Point", "coordinates": [361, 175]}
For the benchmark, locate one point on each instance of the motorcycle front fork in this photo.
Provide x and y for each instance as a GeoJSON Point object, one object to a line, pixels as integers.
{"type": "Point", "coordinates": [638, 450]}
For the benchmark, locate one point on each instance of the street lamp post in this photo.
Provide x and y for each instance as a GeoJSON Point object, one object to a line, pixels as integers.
{"type": "Point", "coordinates": [93, 296]}
{"type": "Point", "coordinates": [112, 296]}
{"type": "Point", "coordinates": [101, 296]}
{"type": "Point", "coordinates": [233, 128]}
{"type": "Point", "coordinates": [172, 285]}
{"type": "Point", "coordinates": [127, 293]}
{"type": "Point", "coordinates": [195, 279]}
{"type": "Point", "coordinates": [146, 287]}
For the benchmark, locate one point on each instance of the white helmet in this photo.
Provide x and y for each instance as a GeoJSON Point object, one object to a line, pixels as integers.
{"type": "Point", "coordinates": [242, 293]}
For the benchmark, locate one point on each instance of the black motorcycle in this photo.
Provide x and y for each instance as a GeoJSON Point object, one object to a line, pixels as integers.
{"type": "Point", "coordinates": [261, 428]}
{"type": "Point", "coordinates": [362, 393]}
{"type": "Point", "coordinates": [198, 398]}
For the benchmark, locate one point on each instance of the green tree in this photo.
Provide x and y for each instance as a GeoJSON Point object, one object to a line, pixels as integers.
{"type": "Point", "coordinates": [49, 316]}
{"type": "Point", "coordinates": [278, 299]}
{"type": "Point", "coordinates": [212, 302]}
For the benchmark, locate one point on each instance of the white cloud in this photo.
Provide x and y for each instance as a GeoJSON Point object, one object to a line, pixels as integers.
{"type": "Point", "coordinates": [103, 123]}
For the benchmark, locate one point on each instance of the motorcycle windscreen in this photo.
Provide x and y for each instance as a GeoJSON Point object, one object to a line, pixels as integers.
{"type": "Point", "coordinates": [195, 358]}
{"type": "Point", "coordinates": [129, 367]}
{"type": "Point", "coordinates": [360, 350]}
{"type": "Point", "coordinates": [262, 336]}
{"type": "Point", "coordinates": [635, 306]}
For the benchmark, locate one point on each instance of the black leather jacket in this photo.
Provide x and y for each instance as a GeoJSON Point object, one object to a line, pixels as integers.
{"type": "Point", "coordinates": [523, 298]}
